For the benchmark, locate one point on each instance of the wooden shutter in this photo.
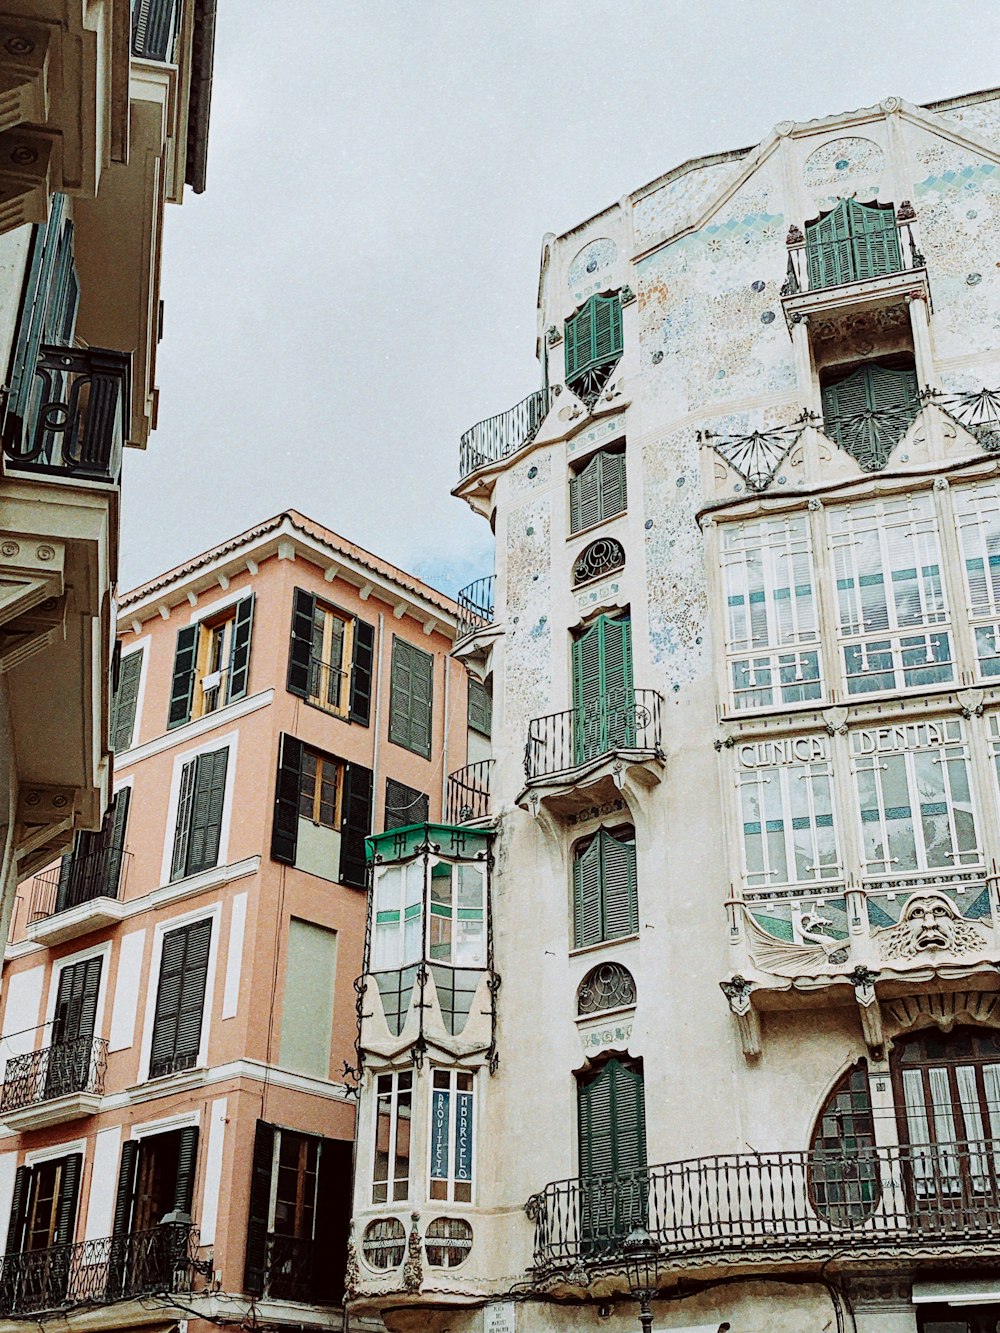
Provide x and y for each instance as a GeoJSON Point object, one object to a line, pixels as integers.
{"type": "Point", "coordinates": [125, 1192]}
{"type": "Point", "coordinates": [300, 647]}
{"type": "Point", "coordinates": [261, 1164]}
{"type": "Point", "coordinates": [844, 402]}
{"type": "Point", "coordinates": [206, 811]}
{"type": "Point", "coordinates": [585, 496]}
{"type": "Point", "coordinates": [587, 680]}
{"type": "Point", "coordinates": [182, 685]}
{"type": "Point", "coordinates": [621, 908]}
{"type": "Point", "coordinates": [875, 240]}
{"type": "Point", "coordinates": [76, 1001]}
{"type": "Point", "coordinates": [187, 1160]}
{"type": "Point", "coordinates": [411, 697]}
{"type": "Point", "coordinates": [404, 805]}
{"type": "Point", "coordinates": [894, 390]}
{"type": "Point", "coordinates": [180, 998]}
{"type": "Point", "coordinates": [185, 797]}
{"type": "Point", "coordinates": [285, 825]}
{"type": "Point", "coordinates": [65, 879]}
{"type": "Point", "coordinates": [578, 340]}
{"type": "Point", "coordinates": [587, 920]}
{"type": "Point", "coordinates": [18, 1210]}
{"type": "Point", "coordinates": [606, 326]}
{"type": "Point", "coordinates": [612, 1121]}
{"type": "Point", "coordinates": [361, 672]}
{"type": "Point", "coordinates": [480, 710]}
{"type": "Point", "coordinates": [611, 484]}
{"type": "Point", "coordinates": [116, 829]}
{"type": "Point", "coordinates": [239, 651]}
{"type": "Point", "coordinates": [48, 255]}
{"type": "Point", "coordinates": [356, 824]}
{"type": "Point", "coordinates": [828, 248]}
{"type": "Point", "coordinates": [69, 1192]}
{"type": "Point", "coordinates": [616, 670]}
{"type": "Point", "coordinates": [125, 701]}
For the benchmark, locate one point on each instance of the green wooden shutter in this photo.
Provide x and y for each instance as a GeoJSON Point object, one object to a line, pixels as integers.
{"type": "Point", "coordinates": [18, 1210]}
{"type": "Point", "coordinates": [578, 340]}
{"type": "Point", "coordinates": [125, 701]}
{"type": "Point", "coordinates": [76, 1001]}
{"type": "Point", "coordinates": [300, 647]}
{"type": "Point", "coordinates": [285, 825]}
{"type": "Point", "coordinates": [180, 998]}
{"type": "Point", "coordinates": [261, 1165]}
{"type": "Point", "coordinates": [611, 484]}
{"type": "Point", "coordinates": [587, 917]}
{"type": "Point", "coordinates": [182, 685]}
{"type": "Point", "coordinates": [361, 672]}
{"type": "Point", "coordinates": [848, 405]}
{"type": "Point", "coordinates": [187, 1160]}
{"type": "Point", "coordinates": [606, 326]}
{"type": "Point", "coordinates": [404, 805]}
{"type": "Point", "coordinates": [842, 402]}
{"type": "Point", "coordinates": [356, 824]}
{"type": "Point", "coordinates": [239, 651]}
{"type": "Point", "coordinates": [828, 248]}
{"type": "Point", "coordinates": [602, 689]}
{"type": "Point", "coordinates": [585, 496]}
{"type": "Point", "coordinates": [480, 707]}
{"type": "Point", "coordinates": [116, 829]}
{"type": "Point", "coordinates": [125, 1192]}
{"type": "Point", "coordinates": [69, 1192]}
{"type": "Point", "coordinates": [206, 811]}
{"type": "Point", "coordinates": [617, 683]}
{"type": "Point", "coordinates": [875, 241]}
{"type": "Point", "coordinates": [587, 693]}
{"type": "Point", "coordinates": [612, 1121]}
{"type": "Point", "coordinates": [411, 697]}
{"type": "Point", "coordinates": [43, 277]}
{"type": "Point", "coordinates": [620, 900]}
{"type": "Point", "coordinates": [185, 797]}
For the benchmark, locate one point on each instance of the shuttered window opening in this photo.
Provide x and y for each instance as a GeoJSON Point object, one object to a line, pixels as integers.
{"type": "Point", "coordinates": [211, 663]}
{"type": "Point", "coordinates": [480, 712]}
{"type": "Point", "coordinates": [851, 243]}
{"type": "Point", "coordinates": [404, 805]}
{"type": "Point", "coordinates": [180, 999]}
{"type": "Point", "coordinates": [411, 697]}
{"type": "Point", "coordinates": [200, 805]}
{"type": "Point", "coordinates": [94, 867]}
{"type": "Point", "coordinates": [331, 658]}
{"type": "Point", "coordinates": [126, 699]}
{"type": "Point", "coordinates": [605, 898]}
{"type": "Point", "coordinates": [598, 491]}
{"type": "Point", "coordinates": [320, 787]}
{"type": "Point", "coordinates": [611, 1119]}
{"type": "Point", "coordinates": [870, 411]}
{"type": "Point", "coordinates": [156, 1178]}
{"type": "Point", "coordinates": [603, 696]}
{"type": "Point", "coordinates": [593, 345]}
{"type": "Point", "coordinates": [43, 1210]}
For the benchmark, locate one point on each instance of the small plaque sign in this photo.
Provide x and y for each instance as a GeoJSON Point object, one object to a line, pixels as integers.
{"type": "Point", "coordinates": [500, 1317]}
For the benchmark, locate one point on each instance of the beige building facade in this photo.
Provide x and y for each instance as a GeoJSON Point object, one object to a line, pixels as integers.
{"type": "Point", "coordinates": [734, 993]}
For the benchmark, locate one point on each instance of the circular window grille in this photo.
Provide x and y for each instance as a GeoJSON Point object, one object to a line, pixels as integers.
{"type": "Point", "coordinates": [384, 1243]}
{"type": "Point", "coordinates": [601, 557]}
{"type": "Point", "coordinates": [608, 986]}
{"type": "Point", "coordinates": [447, 1241]}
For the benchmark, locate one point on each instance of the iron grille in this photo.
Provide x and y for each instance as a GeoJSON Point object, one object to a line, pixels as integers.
{"type": "Point", "coordinates": [100, 874]}
{"type": "Point", "coordinates": [499, 436]}
{"type": "Point", "coordinates": [55, 1071]}
{"type": "Point", "coordinates": [475, 606]}
{"type": "Point", "coordinates": [561, 741]}
{"type": "Point", "coordinates": [469, 792]}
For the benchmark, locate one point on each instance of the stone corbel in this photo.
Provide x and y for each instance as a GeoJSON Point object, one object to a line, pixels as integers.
{"type": "Point", "coordinates": [24, 74]}
{"type": "Point", "coordinates": [44, 825]}
{"type": "Point", "coordinates": [25, 185]}
{"type": "Point", "coordinates": [31, 572]}
{"type": "Point", "coordinates": [32, 632]}
{"type": "Point", "coordinates": [863, 981]}
{"type": "Point", "coordinates": [972, 702]}
{"type": "Point", "coordinates": [737, 991]}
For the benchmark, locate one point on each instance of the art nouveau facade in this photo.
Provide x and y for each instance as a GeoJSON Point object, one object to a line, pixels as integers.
{"type": "Point", "coordinates": [741, 929]}
{"type": "Point", "coordinates": [104, 119]}
{"type": "Point", "coordinates": [179, 1016]}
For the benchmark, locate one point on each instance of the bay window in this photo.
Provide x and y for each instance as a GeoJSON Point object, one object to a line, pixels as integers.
{"type": "Point", "coordinates": [787, 822]}
{"type": "Point", "coordinates": [452, 1135]}
{"type": "Point", "coordinates": [393, 1115]}
{"type": "Point", "coordinates": [977, 510]}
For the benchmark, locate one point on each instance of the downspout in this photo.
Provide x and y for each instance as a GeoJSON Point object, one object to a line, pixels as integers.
{"type": "Point", "coordinates": [444, 740]}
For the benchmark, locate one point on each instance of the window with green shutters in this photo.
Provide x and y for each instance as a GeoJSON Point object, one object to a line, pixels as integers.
{"type": "Point", "coordinates": [404, 805]}
{"type": "Point", "coordinates": [211, 663]}
{"type": "Point", "coordinates": [200, 805]}
{"type": "Point", "coordinates": [480, 711]}
{"type": "Point", "coordinates": [870, 411]}
{"type": "Point", "coordinates": [593, 345]}
{"type": "Point", "coordinates": [611, 1120]}
{"type": "Point", "coordinates": [603, 697]}
{"type": "Point", "coordinates": [411, 696]}
{"type": "Point", "coordinates": [598, 492]}
{"type": "Point", "coordinates": [180, 999]}
{"type": "Point", "coordinates": [851, 243]}
{"type": "Point", "coordinates": [605, 901]}
{"type": "Point", "coordinates": [126, 699]}
{"type": "Point", "coordinates": [94, 867]}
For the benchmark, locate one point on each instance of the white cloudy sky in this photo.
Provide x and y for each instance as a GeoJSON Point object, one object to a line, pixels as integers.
{"type": "Point", "coordinates": [357, 285]}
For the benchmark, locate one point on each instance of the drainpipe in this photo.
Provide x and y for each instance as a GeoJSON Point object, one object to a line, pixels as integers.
{"type": "Point", "coordinates": [444, 741]}
{"type": "Point", "coordinates": [376, 748]}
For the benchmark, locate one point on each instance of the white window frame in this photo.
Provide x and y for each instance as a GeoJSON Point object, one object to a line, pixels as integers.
{"type": "Point", "coordinates": [390, 1180]}
{"type": "Point", "coordinates": [455, 868]}
{"type": "Point", "coordinates": [102, 951]}
{"type": "Point", "coordinates": [410, 870]}
{"type": "Point", "coordinates": [228, 741]}
{"type": "Point", "coordinates": [213, 914]}
{"type": "Point", "coordinates": [974, 505]}
{"type": "Point", "coordinates": [763, 881]}
{"type": "Point", "coordinates": [167, 1124]}
{"type": "Point", "coordinates": [54, 1151]}
{"type": "Point", "coordinates": [450, 1180]}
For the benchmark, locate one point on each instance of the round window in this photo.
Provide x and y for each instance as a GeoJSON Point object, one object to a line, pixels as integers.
{"type": "Point", "coordinates": [384, 1243]}
{"type": "Point", "coordinates": [447, 1241]}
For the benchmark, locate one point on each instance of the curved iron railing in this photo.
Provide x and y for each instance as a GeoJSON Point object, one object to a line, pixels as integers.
{"type": "Point", "coordinates": [469, 792]}
{"type": "Point", "coordinates": [475, 606]}
{"type": "Point", "coordinates": [501, 435]}
{"type": "Point", "coordinates": [751, 1205]}
{"type": "Point", "coordinates": [54, 1071]}
{"type": "Point", "coordinates": [561, 741]}
{"type": "Point", "coordinates": [97, 1272]}
{"type": "Point", "coordinates": [100, 874]}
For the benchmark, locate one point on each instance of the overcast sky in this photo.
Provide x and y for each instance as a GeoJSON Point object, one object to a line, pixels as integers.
{"type": "Point", "coordinates": [357, 285]}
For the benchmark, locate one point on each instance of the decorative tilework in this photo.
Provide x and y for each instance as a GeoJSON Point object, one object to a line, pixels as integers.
{"type": "Point", "coordinates": [590, 270]}
{"type": "Point", "coordinates": [841, 167]}
{"type": "Point", "coordinates": [674, 204]}
{"type": "Point", "coordinates": [535, 471]}
{"type": "Point", "coordinates": [980, 117]}
{"type": "Point", "coordinates": [528, 640]}
{"type": "Point", "coordinates": [606, 429]}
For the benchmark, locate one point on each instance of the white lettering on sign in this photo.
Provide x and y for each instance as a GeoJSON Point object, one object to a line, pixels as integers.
{"type": "Point", "coordinates": [911, 736]}
{"type": "Point", "coordinates": [500, 1318]}
{"type": "Point", "coordinates": [788, 750]}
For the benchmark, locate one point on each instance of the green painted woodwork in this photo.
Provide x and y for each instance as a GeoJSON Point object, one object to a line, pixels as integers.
{"type": "Point", "coordinates": [454, 842]}
{"type": "Point", "coordinates": [125, 700]}
{"type": "Point", "coordinates": [605, 901]}
{"type": "Point", "coordinates": [593, 344]}
{"type": "Point", "coordinates": [611, 1127]}
{"type": "Point", "coordinates": [852, 242]}
{"type": "Point", "coordinates": [598, 491]}
{"type": "Point", "coordinates": [603, 698]}
{"type": "Point", "coordinates": [869, 412]}
{"type": "Point", "coordinates": [411, 695]}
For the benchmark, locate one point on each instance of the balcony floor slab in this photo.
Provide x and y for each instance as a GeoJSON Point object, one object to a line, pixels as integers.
{"type": "Point", "coordinates": [74, 921]}
{"type": "Point", "coordinates": [40, 1115]}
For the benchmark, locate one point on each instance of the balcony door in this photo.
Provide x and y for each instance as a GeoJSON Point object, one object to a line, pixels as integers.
{"type": "Point", "coordinates": [42, 1226]}
{"type": "Point", "coordinates": [93, 870]}
{"type": "Point", "coordinates": [73, 1023]}
{"type": "Point", "coordinates": [948, 1104]}
{"type": "Point", "coordinates": [611, 1120]}
{"type": "Point", "coordinates": [603, 698]}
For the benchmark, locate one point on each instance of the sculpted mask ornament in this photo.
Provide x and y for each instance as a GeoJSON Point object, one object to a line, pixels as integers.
{"type": "Point", "coordinates": [930, 923]}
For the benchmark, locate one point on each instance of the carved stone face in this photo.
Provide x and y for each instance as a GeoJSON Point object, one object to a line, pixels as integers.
{"type": "Point", "coordinates": [931, 920]}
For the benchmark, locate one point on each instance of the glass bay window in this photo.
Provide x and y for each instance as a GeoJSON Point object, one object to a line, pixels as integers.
{"type": "Point", "coordinates": [977, 510]}
{"type": "Point", "coordinates": [787, 817]}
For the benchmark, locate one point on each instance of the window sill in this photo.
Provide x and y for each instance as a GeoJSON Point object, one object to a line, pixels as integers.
{"type": "Point", "coordinates": [594, 527]}
{"type": "Point", "coordinates": [328, 712]}
{"type": "Point", "coordinates": [189, 731]}
{"type": "Point", "coordinates": [586, 949]}
{"type": "Point", "coordinates": [601, 1016]}
{"type": "Point", "coordinates": [166, 1084]}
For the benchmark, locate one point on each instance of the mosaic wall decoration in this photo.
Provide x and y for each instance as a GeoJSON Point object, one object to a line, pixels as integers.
{"type": "Point", "coordinates": [605, 429]}
{"type": "Point", "coordinates": [590, 271]}
{"type": "Point", "coordinates": [981, 118]}
{"type": "Point", "coordinates": [533, 472]}
{"type": "Point", "coordinates": [969, 894]}
{"type": "Point", "coordinates": [675, 203]}
{"type": "Point", "coordinates": [841, 167]}
{"type": "Point", "coordinates": [806, 920]}
{"type": "Point", "coordinates": [528, 640]}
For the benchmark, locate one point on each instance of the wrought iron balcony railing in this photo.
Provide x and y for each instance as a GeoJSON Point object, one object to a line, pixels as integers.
{"type": "Point", "coordinates": [74, 421]}
{"type": "Point", "coordinates": [154, 29]}
{"type": "Point", "coordinates": [576, 736]}
{"type": "Point", "coordinates": [99, 874]}
{"type": "Point", "coordinates": [475, 606]}
{"type": "Point", "coordinates": [291, 1272]}
{"type": "Point", "coordinates": [499, 436]}
{"type": "Point", "coordinates": [751, 1206]}
{"type": "Point", "coordinates": [329, 685]}
{"type": "Point", "coordinates": [978, 411]}
{"type": "Point", "coordinates": [55, 1071]}
{"type": "Point", "coordinates": [469, 792]}
{"type": "Point", "coordinates": [98, 1272]}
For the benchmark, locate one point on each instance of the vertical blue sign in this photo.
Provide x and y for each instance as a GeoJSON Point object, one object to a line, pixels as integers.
{"type": "Point", "coordinates": [440, 1118]}
{"type": "Point", "coordinates": [463, 1136]}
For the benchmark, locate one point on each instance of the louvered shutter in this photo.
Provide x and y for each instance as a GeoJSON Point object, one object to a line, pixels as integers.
{"type": "Point", "coordinates": [300, 647]}
{"type": "Point", "coordinates": [828, 248]}
{"type": "Point", "coordinates": [255, 1262]}
{"type": "Point", "coordinates": [578, 340]}
{"type": "Point", "coordinates": [153, 29]}
{"type": "Point", "coordinates": [69, 1193]}
{"type": "Point", "coordinates": [126, 699]}
{"type": "Point", "coordinates": [180, 998]}
{"type": "Point", "coordinates": [206, 811]}
{"type": "Point", "coordinates": [404, 805]}
{"type": "Point", "coordinates": [116, 830]}
{"type": "Point", "coordinates": [182, 685]}
{"type": "Point", "coordinates": [621, 908]}
{"type": "Point", "coordinates": [187, 1161]}
{"type": "Point", "coordinates": [585, 496]}
{"type": "Point", "coordinates": [411, 697]}
{"type": "Point", "coordinates": [875, 241]}
{"type": "Point", "coordinates": [587, 693]}
{"type": "Point", "coordinates": [125, 1192]}
{"type": "Point", "coordinates": [285, 826]}
{"type": "Point", "coordinates": [606, 336]}
{"type": "Point", "coordinates": [611, 484]}
{"type": "Point", "coordinates": [65, 879]}
{"type": "Point", "coordinates": [844, 406]}
{"type": "Point", "coordinates": [239, 651]}
{"type": "Point", "coordinates": [587, 921]}
{"type": "Point", "coordinates": [480, 708]}
{"type": "Point", "coordinates": [356, 824]}
{"type": "Point", "coordinates": [192, 996]}
{"type": "Point", "coordinates": [185, 797]}
{"type": "Point", "coordinates": [616, 654]}
{"type": "Point", "coordinates": [76, 1001]}
{"type": "Point", "coordinates": [168, 1003]}
{"type": "Point", "coordinates": [630, 1147]}
{"type": "Point", "coordinates": [18, 1210]}
{"type": "Point", "coordinates": [361, 672]}
{"type": "Point", "coordinates": [894, 390]}
{"type": "Point", "coordinates": [48, 257]}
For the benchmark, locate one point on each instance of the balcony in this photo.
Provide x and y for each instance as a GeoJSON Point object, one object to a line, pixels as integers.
{"type": "Point", "coordinates": [56, 1084]}
{"type": "Point", "coordinates": [76, 420]}
{"type": "Point", "coordinates": [496, 438]}
{"type": "Point", "coordinates": [469, 793]}
{"type": "Point", "coordinates": [570, 756]}
{"type": "Point", "coordinates": [475, 607]}
{"type": "Point", "coordinates": [88, 897]}
{"type": "Point", "coordinates": [292, 1272]}
{"type": "Point", "coordinates": [740, 1210]}
{"type": "Point", "coordinates": [99, 1272]}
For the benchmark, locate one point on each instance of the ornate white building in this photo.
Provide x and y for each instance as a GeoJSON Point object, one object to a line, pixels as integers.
{"type": "Point", "coordinates": [743, 653]}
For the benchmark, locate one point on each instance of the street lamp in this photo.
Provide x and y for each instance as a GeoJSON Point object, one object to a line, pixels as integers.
{"type": "Point", "coordinates": [642, 1259]}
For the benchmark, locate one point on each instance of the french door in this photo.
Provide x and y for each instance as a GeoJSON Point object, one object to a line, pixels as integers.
{"type": "Point", "coordinates": [603, 698]}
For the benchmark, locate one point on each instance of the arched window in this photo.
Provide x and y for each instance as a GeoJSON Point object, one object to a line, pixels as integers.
{"type": "Point", "coordinates": [844, 1183]}
{"type": "Point", "coordinates": [593, 345]}
{"type": "Point", "coordinates": [852, 242]}
{"type": "Point", "coordinates": [607, 986]}
{"type": "Point", "coordinates": [605, 901]}
{"type": "Point", "coordinates": [599, 558]}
